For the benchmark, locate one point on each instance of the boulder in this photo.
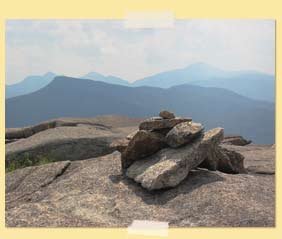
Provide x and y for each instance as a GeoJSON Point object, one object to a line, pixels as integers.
{"type": "Point", "coordinates": [224, 160]}
{"type": "Point", "coordinates": [230, 161]}
{"type": "Point", "coordinates": [165, 169]}
{"type": "Point", "coordinates": [166, 114]}
{"type": "Point", "coordinates": [144, 143]}
{"type": "Point", "coordinates": [158, 123]}
{"type": "Point", "coordinates": [211, 160]}
{"type": "Point", "coordinates": [168, 167]}
{"type": "Point", "coordinates": [236, 140]}
{"type": "Point", "coordinates": [183, 133]}
{"type": "Point", "coordinates": [61, 143]}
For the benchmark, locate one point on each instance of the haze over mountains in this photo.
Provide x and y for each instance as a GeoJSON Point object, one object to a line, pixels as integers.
{"type": "Point", "coordinates": [252, 84]}
{"type": "Point", "coordinates": [72, 97]}
{"type": "Point", "coordinates": [28, 85]}
{"type": "Point", "coordinates": [108, 79]}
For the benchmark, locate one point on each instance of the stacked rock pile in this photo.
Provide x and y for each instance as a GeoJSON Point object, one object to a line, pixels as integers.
{"type": "Point", "coordinates": [164, 149]}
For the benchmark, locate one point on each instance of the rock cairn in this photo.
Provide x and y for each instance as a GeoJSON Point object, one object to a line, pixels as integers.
{"type": "Point", "coordinates": [164, 149]}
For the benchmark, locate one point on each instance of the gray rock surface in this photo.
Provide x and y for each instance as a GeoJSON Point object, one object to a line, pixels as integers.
{"type": "Point", "coordinates": [166, 114]}
{"type": "Point", "coordinates": [168, 167]}
{"type": "Point", "coordinates": [17, 133]}
{"type": "Point", "coordinates": [93, 193]}
{"type": "Point", "coordinates": [63, 143]}
{"type": "Point", "coordinates": [158, 123]}
{"type": "Point", "coordinates": [183, 133]}
{"type": "Point", "coordinates": [106, 121]}
{"type": "Point", "coordinates": [259, 159]}
{"type": "Point", "coordinates": [144, 143]}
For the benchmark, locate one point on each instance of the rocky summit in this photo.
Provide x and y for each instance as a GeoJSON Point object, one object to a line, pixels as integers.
{"type": "Point", "coordinates": [163, 160]}
{"type": "Point", "coordinates": [93, 193]}
{"type": "Point", "coordinates": [197, 181]}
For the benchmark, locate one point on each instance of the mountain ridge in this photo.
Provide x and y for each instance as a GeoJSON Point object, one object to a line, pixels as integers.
{"type": "Point", "coordinates": [29, 84]}
{"type": "Point", "coordinates": [250, 83]}
{"type": "Point", "coordinates": [74, 97]}
{"type": "Point", "coordinates": [254, 84]}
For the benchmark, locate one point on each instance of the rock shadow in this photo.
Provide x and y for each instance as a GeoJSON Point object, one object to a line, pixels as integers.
{"type": "Point", "coordinates": [194, 180]}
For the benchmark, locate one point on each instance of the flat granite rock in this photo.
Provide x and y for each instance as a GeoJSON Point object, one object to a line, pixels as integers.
{"type": "Point", "coordinates": [235, 140]}
{"type": "Point", "coordinates": [158, 123]}
{"type": "Point", "coordinates": [62, 143]}
{"type": "Point", "coordinates": [93, 193]}
{"type": "Point", "coordinates": [26, 181]}
{"type": "Point", "coordinates": [168, 167]}
{"type": "Point", "coordinates": [105, 121]}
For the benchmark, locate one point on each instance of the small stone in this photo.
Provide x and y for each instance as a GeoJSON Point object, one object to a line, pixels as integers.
{"type": "Point", "coordinates": [183, 133]}
{"type": "Point", "coordinates": [166, 114]}
{"type": "Point", "coordinates": [158, 124]}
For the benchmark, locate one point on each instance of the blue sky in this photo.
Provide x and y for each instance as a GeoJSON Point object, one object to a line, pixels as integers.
{"type": "Point", "coordinates": [76, 47]}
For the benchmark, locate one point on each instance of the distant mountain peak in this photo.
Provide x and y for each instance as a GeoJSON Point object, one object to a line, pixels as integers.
{"type": "Point", "coordinates": [29, 84]}
{"type": "Point", "coordinates": [73, 97]}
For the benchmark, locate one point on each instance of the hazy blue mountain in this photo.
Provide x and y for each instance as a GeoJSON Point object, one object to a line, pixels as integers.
{"type": "Point", "coordinates": [108, 79]}
{"type": "Point", "coordinates": [71, 97]}
{"type": "Point", "coordinates": [252, 84]}
{"type": "Point", "coordinates": [29, 84]}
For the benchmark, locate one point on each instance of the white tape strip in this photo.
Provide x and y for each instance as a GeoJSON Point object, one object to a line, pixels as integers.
{"type": "Point", "coordinates": [149, 20]}
{"type": "Point", "coordinates": [148, 228]}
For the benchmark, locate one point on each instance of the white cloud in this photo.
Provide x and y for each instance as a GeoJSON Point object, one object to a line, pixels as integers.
{"type": "Point", "coordinates": [76, 47]}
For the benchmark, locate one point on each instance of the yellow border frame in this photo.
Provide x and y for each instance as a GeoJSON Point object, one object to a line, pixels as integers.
{"type": "Point", "coordinates": [113, 9]}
